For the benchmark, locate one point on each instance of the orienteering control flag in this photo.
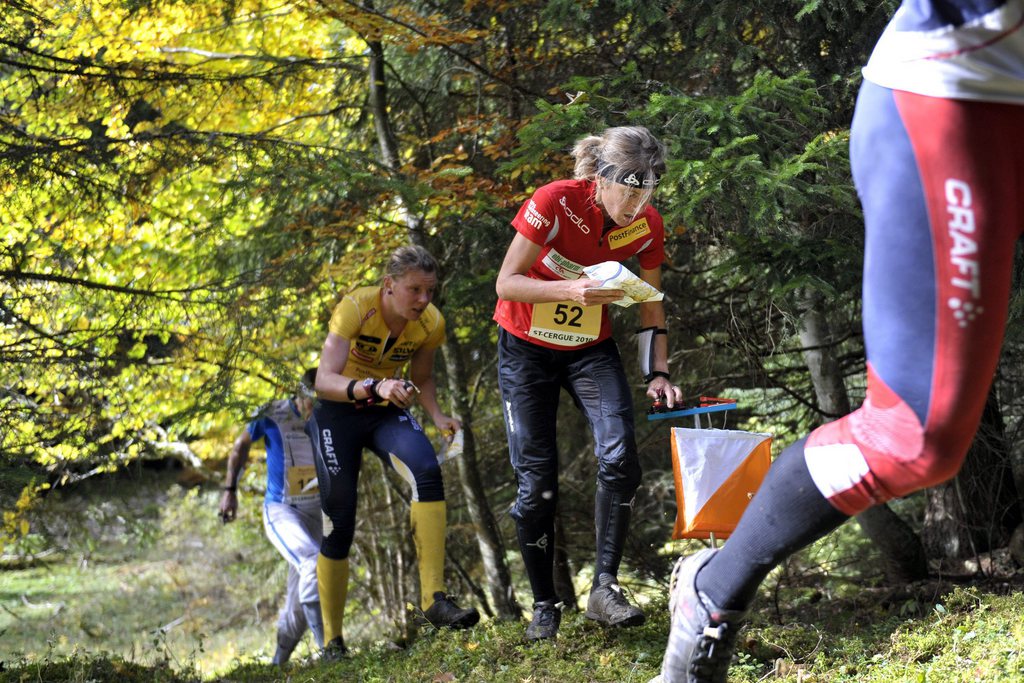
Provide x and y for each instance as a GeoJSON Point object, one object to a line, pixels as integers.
{"type": "Point", "coordinates": [716, 473]}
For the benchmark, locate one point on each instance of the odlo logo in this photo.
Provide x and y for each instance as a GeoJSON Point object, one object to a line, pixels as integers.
{"type": "Point", "coordinates": [576, 220]}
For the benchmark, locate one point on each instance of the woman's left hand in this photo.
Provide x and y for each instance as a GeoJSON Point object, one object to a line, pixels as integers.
{"type": "Point", "coordinates": [661, 387]}
{"type": "Point", "coordinates": [448, 425]}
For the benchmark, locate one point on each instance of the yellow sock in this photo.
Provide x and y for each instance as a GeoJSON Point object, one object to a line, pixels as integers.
{"type": "Point", "coordinates": [332, 582]}
{"type": "Point", "coordinates": [429, 525]}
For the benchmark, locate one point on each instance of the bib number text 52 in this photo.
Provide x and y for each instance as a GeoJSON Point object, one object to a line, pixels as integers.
{"type": "Point", "coordinates": [565, 323]}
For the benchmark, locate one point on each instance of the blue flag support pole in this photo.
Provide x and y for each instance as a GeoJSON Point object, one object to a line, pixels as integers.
{"type": "Point", "coordinates": [696, 412]}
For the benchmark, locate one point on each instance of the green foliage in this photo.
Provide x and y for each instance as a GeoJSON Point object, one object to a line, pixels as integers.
{"type": "Point", "coordinates": [82, 668]}
{"type": "Point", "coordinates": [179, 180]}
{"type": "Point", "coordinates": [979, 639]}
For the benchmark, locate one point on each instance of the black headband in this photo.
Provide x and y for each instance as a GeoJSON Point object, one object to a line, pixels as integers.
{"type": "Point", "coordinates": [631, 178]}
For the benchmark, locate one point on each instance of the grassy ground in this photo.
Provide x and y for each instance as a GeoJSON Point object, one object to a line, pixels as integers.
{"type": "Point", "coordinates": [148, 586]}
{"type": "Point", "coordinates": [975, 636]}
{"type": "Point", "coordinates": [143, 570]}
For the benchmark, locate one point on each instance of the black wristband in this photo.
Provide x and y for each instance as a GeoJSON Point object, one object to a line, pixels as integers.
{"type": "Point", "coordinates": [231, 488]}
{"type": "Point", "coordinates": [656, 373]}
{"type": "Point", "coordinates": [351, 391]}
{"type": "Point", "coordinates": [373, 390]}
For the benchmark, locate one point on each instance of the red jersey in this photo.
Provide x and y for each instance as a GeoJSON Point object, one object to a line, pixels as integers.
{"type": "Point", "coordinates": [564, 220]}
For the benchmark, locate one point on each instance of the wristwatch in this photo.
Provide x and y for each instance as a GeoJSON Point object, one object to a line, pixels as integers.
{"type": "Point", "coordinates": [370, 384]}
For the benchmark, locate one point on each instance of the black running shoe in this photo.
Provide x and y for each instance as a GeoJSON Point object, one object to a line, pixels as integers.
{"type": "Point", "coordinates": [609, 607]}
{"type": "Point", "coordinates": [334, 651]}
{"type": "Point", "coordinates": [444, 613]}
{"type": "Point", "coordinates": [703, 635]}
{"type": "Point", "coordinates": [547, 615]}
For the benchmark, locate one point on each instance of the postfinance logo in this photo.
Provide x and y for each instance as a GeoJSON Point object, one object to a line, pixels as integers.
{"type": "Point", "coordinates": [630, 233]}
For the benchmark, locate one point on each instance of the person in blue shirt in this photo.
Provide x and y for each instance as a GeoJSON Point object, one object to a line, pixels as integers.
{"type": "Point", "coordinates": [291, 507]}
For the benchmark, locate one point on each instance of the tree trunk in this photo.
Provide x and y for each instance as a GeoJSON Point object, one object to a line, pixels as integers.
{"type": "Point", "coordinates": [378, 101]}
{"type": "Point", "coordinates": [386, 141]}
{"type": "Point", "coordinates": [492, 549]}
{"type": "Point", "coordinates": [977, 510]}
{"type": "Point", "coordinates": [903, 554]}
{"type": "Point", "coordinates": [818, 351]}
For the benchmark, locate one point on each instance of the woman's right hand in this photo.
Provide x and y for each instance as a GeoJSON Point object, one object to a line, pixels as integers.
{"type": "Point", "coordinates": [398, 392]}
{"type": "Point", "coordinates": [585, 291]}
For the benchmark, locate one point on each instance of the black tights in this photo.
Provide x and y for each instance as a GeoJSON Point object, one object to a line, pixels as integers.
{"type": "Point", "coordinates": [787, 513]}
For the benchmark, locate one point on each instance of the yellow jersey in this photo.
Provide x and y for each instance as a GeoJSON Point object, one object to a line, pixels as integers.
{"type": "Point", "coordinates": [372, 352]}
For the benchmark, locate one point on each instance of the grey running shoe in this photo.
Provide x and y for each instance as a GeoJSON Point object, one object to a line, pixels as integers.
{"type": "Point", "coordinates": [608, 606]}
{"type": "Point", "coordinates": [334, 651]}
{"type": "Point", "coordinates": [547, 616]}
{"type": "Point", "coordinates": [285, 647]}
{"type": "Point", "coordinates": [703, 636]}
{"type": "Point", "coordinates": [444, 613]}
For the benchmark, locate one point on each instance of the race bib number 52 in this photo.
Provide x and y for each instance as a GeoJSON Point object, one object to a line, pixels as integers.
{"type": "Point", "coordinates": [565, 323]}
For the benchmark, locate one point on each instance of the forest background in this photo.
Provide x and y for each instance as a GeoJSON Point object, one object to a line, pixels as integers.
{"type": "Point", "coordinates": [189, 187]}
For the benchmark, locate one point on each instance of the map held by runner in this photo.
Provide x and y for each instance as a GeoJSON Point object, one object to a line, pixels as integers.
{"type": "Point", "coordinates": [614, 275]}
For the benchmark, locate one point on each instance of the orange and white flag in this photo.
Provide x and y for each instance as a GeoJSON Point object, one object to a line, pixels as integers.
{"type": "Point", "coordinates": [717, 472]}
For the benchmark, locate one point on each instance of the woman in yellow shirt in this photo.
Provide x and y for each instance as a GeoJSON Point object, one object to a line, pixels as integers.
{"type": "Point", "coordinates": [374, 332]}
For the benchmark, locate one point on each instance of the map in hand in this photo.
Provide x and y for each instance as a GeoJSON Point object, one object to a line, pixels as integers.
{"type": "Point", "coordinates": [614, 275]}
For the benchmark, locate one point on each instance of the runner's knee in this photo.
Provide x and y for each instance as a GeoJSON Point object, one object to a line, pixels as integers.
{"type": "Point", "coordinates": [536, 502]}
{"type": "Point", "coordinates": [621, 475]}
{"type": "Point", "coordinates": [337, 543]}
{"type": "Point", "coordinates": [430, 489]}
{"type": "Point", "coordinates": [878, 453]}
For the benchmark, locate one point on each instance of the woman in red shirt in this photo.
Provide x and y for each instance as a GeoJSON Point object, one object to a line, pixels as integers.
{"type": "Point", "coordinates": [555, 333]}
